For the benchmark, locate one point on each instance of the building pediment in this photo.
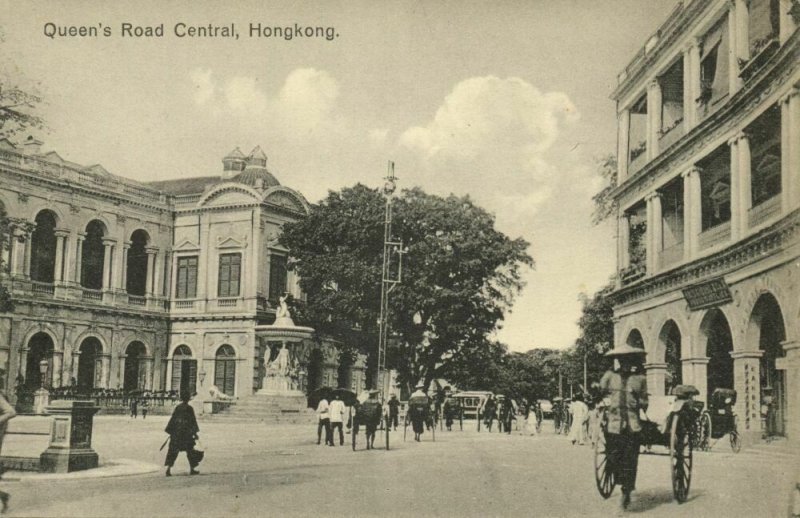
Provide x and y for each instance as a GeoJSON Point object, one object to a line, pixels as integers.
{"type": "Point", "coordinates": [229, 194]}
{"type": "Point", "coordinates": [231, 242]}
{"type": "Point", "coordinates": [186, 244]}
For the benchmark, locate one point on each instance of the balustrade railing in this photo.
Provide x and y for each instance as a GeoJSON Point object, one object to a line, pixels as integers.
{"type": "Point", "coordinates": [227, 303]}
{"type": "Point", "coordinates": [764, 211]}
{"type": "Point", "coordinates": [95, 295]}
{"type": "Point", "coordinates": [42, 288]}
{"type": "Point", "coordinates": [137, 300]}
{"type": "Point", "coordinates": [670, 256]}
{"type": "Point", "coordinates": [715, 235]}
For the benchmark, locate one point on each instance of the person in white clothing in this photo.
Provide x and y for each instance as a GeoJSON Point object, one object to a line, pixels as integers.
{"type": "Point", "coordinates": [580, 415]}
{"type": "Point", "coordinates": [324, 422]}
{"type": "Point", "coordinates": [336, 411]}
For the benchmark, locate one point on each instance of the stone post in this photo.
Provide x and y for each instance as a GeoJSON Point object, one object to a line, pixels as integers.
{"type": "Point", "coordinates": [70, 438]}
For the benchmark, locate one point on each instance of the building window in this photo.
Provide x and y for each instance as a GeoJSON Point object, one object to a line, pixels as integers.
{"type": "Point", "coordinates": [671, 84]}
{"type": "Point", "coordinates": [230, 268]}
{"type": "Point", "coordinates": [672, 214]}
{"type": "Point", "coordinates": [764, 20]}
{"type": "Point", "coordinates": [225, 370]}
{"type": "Point", "coordinates": [715, 187]}
{"type": "Point", "coordinates": [186, 287]}
{"type": "Point", "coordinates": [277, 276]}
{"type": "Point", "coordinates": [637, 234]}
{"type": "Point", "coordinates": [637, 137]}
{"type": "Point", "coordinates": [714, 66]}
{"type": "Point", "coordinates": [765, 156]}
{"type": "Point", "coordinates": [43, 248]}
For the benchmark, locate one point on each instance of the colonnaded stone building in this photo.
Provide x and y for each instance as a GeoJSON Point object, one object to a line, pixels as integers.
{"type": "Point", "coordinates": [708, 196]}
{"type": "Point", "coordinates": [149, 286]}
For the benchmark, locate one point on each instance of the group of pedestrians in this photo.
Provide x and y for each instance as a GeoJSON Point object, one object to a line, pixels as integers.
{"type": "Point", "coordinates": [331, 418]}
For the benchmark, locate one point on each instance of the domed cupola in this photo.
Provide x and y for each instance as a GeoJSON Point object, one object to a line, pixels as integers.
{"type": "Point", "coordinates": [255, 172]}
{"type": "Point", "coordinates": [233, 164]}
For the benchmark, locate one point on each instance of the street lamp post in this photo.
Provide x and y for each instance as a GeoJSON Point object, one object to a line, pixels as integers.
{"type": "Point", "coordinates": [41, 397]}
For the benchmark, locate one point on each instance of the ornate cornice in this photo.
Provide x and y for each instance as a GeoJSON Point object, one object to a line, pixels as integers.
{"type": "Point", "coordinates": [751, 249]}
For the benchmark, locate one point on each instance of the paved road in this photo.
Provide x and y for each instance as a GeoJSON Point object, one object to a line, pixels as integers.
{"type": "Point", "coordinates": [254, 469]}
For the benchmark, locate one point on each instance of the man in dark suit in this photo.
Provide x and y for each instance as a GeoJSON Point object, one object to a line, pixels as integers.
{"type": "Point", "coordinates": [182, 429]}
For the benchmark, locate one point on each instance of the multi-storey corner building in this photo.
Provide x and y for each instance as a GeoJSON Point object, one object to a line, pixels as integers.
{"type": "Point", "coordinates": [708, 195]}
{"type": "Point", "coordinates": [158, 286]}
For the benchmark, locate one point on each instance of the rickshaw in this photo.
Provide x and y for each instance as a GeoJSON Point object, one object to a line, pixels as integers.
{"type": "Point", "coordinates": [669, 423]}
{"type": "Point", "coordinates": [407, 421]}
{"type": "Point", "coordinates": [354, 421]}
{"type": "Point", "coordinates": [718, 420]}
{"type": "Point", "coordinates": [453, 410]}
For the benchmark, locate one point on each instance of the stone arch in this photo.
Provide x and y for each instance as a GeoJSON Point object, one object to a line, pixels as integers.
{"type": "Point", "coordinates": [286, 197]}
{"type": "Point", "coordinates": [137, 263]}
{"type": "Point", "coordinates": [715, 341]}
{"type": "Point", "coordinates": [635, 339]}
{"type": "Point", "coordinates": [40, 346]}
{"type": "Point", "coordinates": [90, 363]}
{"type": "Point", "coordinates": [47, 329]}
{"type": "Point", "coordinates": [669, 346]}
{"type": "Point", "coordinates": [45, 205]}
{"type": "Point", "coordinates": [766, 331]}
{"type": "Point", "coordinates": [229, 187]}
{"type": "Point", "coordinates": [93, 255]}
{"type": "Point", "coordinates": [43, 246]}
{"type": "Point", "coordinates": [90, 333]}
{"type": "Point", "coordinates": [135, 369]}
{"type": "Point", "coordinates": [178, 346]}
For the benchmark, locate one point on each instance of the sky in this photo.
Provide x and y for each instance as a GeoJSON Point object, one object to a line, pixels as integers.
{"type": "Point", "coordinates": [506, 101]}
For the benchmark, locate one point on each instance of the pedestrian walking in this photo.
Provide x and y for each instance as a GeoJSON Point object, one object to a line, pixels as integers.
{"type": "Point", "coordinates": [418, 409]}
{"type": "Point", "coordinates": [489, 412]}
{"type": "Point", "coordinates": [183, 434]}
{"type": "Point", "coordinates": [394, 411]}
{"type": "Point", "coordinates": [145, 406]}
{"type": "Point", "coordinates": [369, 413]}
{"type": "Point", "coordinates": [626, 388]}
{"type": "Point", "coordinates": [6, 414]}
{"type": "Point", "coordinates": [324, 422]}
{"type": "Point", "coordinates": [336, 413]}
{"type": "Point", "coordinates": [580, 416]}
{"type": "Point", "coordinates": [134, 407]}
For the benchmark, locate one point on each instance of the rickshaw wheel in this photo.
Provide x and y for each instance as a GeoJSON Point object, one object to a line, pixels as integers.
{"type": "Point", "coordinates": [603, 475]}
{"type": "Point", "coordinates": [703, 433]}
{"type": "Point", "coordinates": [736, 440]}
{"type": "Point", "coordinates": [680, 452]}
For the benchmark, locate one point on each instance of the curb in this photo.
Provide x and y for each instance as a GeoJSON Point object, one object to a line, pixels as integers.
{"type": "Point", "coordinates": [113, 468]}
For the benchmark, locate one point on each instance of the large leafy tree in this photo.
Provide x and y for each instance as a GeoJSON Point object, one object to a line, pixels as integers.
{"type": "Point", "coordinates": [18, 101]}
{"type": "Point", "coordinates": [460, 275]}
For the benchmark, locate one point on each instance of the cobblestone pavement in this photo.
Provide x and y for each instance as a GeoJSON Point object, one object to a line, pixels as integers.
{"type": "Point", "coordinates": [255, 469]}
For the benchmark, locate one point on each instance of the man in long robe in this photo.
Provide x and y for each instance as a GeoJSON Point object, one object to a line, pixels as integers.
{"type": "Point", "coordinates": [418, 408]}
{"type": "Point", "coordinates": [182, 429]}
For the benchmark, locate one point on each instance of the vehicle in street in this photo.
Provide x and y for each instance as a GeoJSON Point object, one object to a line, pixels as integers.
{"type": "Point", "coordinates": [717, 420]}
{"type": "Point", "coordinates": [547, 408]}
{"type": "Point", "coordinates": [472, 401]}
{"type": "Point", "coordinates": [669, 423]}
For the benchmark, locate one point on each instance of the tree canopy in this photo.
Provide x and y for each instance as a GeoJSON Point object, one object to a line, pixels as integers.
{"type": "Point", "coordinates": [18, 101]}
{"type": "Point", "coordinates": [460, 275]}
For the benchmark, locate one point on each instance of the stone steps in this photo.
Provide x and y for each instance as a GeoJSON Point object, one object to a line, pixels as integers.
{"type": "Point", "coordinates": [272, 409]}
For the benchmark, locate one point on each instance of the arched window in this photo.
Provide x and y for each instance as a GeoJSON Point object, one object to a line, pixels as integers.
{"type": "Point", "coordinates": [184, 370]}
{"type": "Point", "coordinates": [136, 280]}
{"type": "Point", "coordinates": [92, 256]}
{"type": "Point", "coordinates": [670, 338]}
{"type": "Point", "coordinates": [43, 248]}
{"type": "Point", "coordinates": [225, 370]}
{"type": "Point", "coordinates": [719, 345]}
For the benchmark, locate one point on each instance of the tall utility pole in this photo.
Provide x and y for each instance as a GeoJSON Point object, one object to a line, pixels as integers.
{"type": "Point", "coordinates": [389, 278]}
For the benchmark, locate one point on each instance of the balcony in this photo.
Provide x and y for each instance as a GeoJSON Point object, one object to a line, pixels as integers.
{"type": "Point", "coordinates": [91, 295]}
{"type": "Point", "coordinates": [764, 211]}
{"type": "Point", "coordinates": [136, 300]}
{"type": "Point", "coordinates": [228, 302]}
{"type": "Point", "coordinates": [670, 135]}
{"type": "Point", "coordinates": [715, 235]}
{"type": "Point", "coordinates": [670, 256]}
{"type": "Point", "coordinates": [183, 305]}
{"type": "Point", "coordinates": [638, 158]}
{"type": "Point", "coordinates": [42, 289]}
{"type": "Point", "coordinates": [633, 273]}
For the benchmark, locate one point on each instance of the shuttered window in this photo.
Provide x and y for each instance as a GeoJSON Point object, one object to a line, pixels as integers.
{"type": "Point", "coordinates": [187, 278]}
{"type": "Point", "coordinates": [229, 274]}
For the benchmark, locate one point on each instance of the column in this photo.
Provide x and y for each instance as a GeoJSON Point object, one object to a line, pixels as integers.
{"type": "Point", "coordinates": [121, 373]}
{"type": "Point", "coordinates": [623, 130]}
{"type": "Point", "coordinates": [17, 255]}
{"type": "Point", "coordinates": [736, 177]}
{"type": "Point", "coordinates": [105, 365]}
{"type": "Point", "coordinates": [148, 372]}
{"type": "Point", "coordinates": [117, 277]}
{"type": "Point", "coordinates": [624, 241]}
{"type": "Point", "coordinates": [108, 250]}
{"type": "Point", "coordinates": [736, 38]}
{"type": "Point", "coordinates": [205, 250]}
{"type": "Point", "coordinates": [126, 246]}
{"type": "Point", "coordinates": [746, 381]}
{"type": "Point", "coordinates": [791, 373]}
{"type": "Point", "coordinates": [695, 372]}
{"type": "Point", "coordinates": [57, 366]}
{"type": "Point", "coordinates": [656, 378]}
{"type": "Point", "coordinates": [79, 256]}
{"type": "Point", "coordinates": [691, 83]}
{"type": "Point", "coordinates": [157, 274]}
{"type": "Point", "coordinates": [741, 13]}
{"type": "Point", "coordinates": [745, 184]}
{"type": "Point", "coordinates": [653, 118]}
{"type": "Point", "coordinates": [653, 231]}
{"type": "Point", "coordinates": [786, 21]}
{"type": "Point", "coordinates": [27, 249]}
{"type": "Point", "coordinates": [687, 216]}
{"type": "Point", "coordinates": [151, 254]}
{"type": "Point", "coordinates": [61, 237]}
{"type": "Point", "coordinates": [76, 359]}
{"type": "Point", "coordinates": [67, 275]}
{"type": "Point", "coordinates": [793, 145]}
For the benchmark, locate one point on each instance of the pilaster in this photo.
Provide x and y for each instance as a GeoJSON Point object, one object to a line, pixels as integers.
{"type": "Point", "coordinates": [623, 130]}
{"type": "Point", "coordinates": [653, 117]}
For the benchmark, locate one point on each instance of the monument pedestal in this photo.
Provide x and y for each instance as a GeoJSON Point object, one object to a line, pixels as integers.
{"type": "Point", "coordinates": [70, 438]}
